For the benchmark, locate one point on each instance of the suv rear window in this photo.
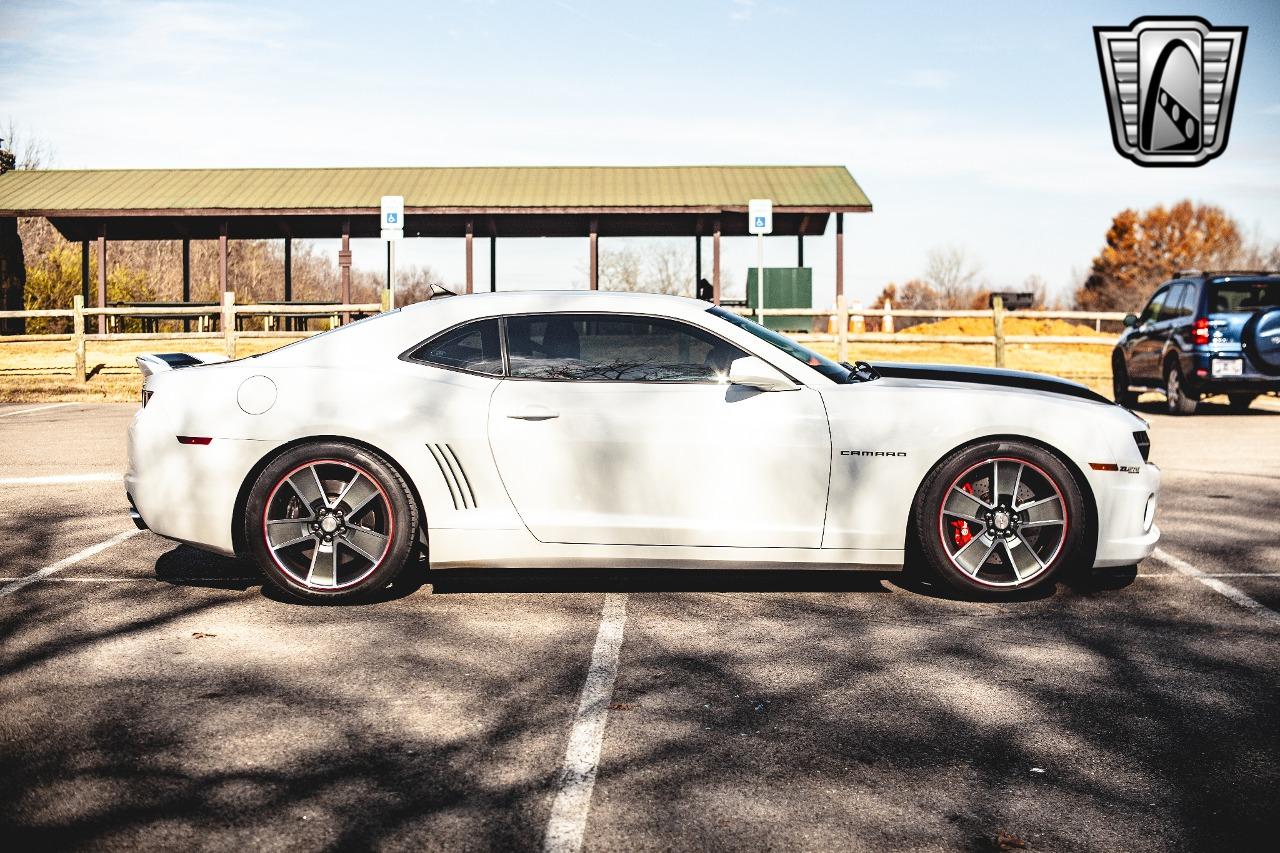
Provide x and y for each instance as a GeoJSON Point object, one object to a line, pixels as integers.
{"type": "Point", "coordinates": [1225, 296]}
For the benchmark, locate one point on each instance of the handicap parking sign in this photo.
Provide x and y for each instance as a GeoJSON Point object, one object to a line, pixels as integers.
{"type": "Point", "coordinates": [760, 215]}
{"type": "Point", "coordinates": [392, 217]}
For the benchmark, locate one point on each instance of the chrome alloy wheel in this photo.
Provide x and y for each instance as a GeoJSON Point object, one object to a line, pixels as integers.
{"type": "Point", "coordinates": [1003, 522]}
{"type": "Point", "coordinates": [328, 524]}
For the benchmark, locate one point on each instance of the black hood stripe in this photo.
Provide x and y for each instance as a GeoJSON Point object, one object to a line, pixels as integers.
{"type": "Point", "coordinates": [990, 376]}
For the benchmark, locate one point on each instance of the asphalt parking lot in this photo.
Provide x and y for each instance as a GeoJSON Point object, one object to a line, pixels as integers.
{"type": "Point", "coordinates": [156, 697]}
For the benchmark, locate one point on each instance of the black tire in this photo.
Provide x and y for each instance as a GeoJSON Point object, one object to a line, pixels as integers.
{"type": "Point", "coordinates": [366, 503]}
{"type": "Point", "coordinates": [1180, 401]}
{"type": "Point", "coordinates": [1241, 402]}
{"type": "Point", "coordinates": [1120, 383]}
{"type": "Point", "coordinates": [972, 472]}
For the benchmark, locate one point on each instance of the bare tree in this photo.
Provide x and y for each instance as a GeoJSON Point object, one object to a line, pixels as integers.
{"type": "Point", "coordinates": [29, 151]}
{"type": "Point", "coordinates": [670, 270]}
{"type": "Point", "coordinates": [953, 275]}
{"type": "Point", "coordinates": [621, 269]}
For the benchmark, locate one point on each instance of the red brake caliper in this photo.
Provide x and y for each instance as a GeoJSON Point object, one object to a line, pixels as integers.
{"type": "Point", "coordinates": [960, 528]}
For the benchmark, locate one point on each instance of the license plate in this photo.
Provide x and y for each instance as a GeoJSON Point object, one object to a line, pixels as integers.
{"type": "Point", "coordinates": [1227, 367]}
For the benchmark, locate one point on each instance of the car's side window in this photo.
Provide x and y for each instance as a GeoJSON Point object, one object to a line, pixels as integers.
{"type": "Point", "coordinates": [1187, 306]}
{"type": "Point", "coordinates": [614, 347]}
{"type": "Point", "coordinates": [1152, 311]}
{"type": "Point", "coordinates": [1172, 308]}
{"type": "Point", "coordinates": [475, 346]}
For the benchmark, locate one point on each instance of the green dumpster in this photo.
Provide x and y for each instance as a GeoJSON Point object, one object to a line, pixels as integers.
{"type": "Point", "coordinates": [784, 287]}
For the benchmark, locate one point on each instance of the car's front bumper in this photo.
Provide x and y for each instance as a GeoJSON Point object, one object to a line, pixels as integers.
{"type": "Point", "coordinates": [1127, 532]}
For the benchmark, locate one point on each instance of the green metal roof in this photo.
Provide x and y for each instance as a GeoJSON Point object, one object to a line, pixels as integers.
{"type": "Point", "coordinates": [493, 189]}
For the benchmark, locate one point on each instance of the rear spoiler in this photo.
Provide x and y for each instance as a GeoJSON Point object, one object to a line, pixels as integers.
{"type": "Point", "coordinates": [156, 362]}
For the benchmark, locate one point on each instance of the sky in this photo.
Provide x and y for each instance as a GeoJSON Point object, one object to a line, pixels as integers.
{"type": "Point", "coordinates": [978, 125]}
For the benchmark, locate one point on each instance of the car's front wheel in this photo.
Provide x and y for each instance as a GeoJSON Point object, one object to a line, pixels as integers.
{"type": "Point", "coordinates": [1120, 383]}
{"type": "Point", "coordinates": [999, 517]}
{"type": "Point", "coordinates": [330, 521]}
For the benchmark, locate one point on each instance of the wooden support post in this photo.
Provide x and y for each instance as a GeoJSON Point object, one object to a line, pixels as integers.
{"type": "Point", "coordinates": [493, 263]}
{"type": "Point", "coordinates": [288, 269]}
{"type": "Point", "coordinates": [77, 334]}
{"type": "Point", "coordinates": [997, 327]}
{"type": "Point", "coordinates": [697, 262]}
{"type": "Point", "coordinates": [594, 282]}
{"type": "Point", "coordinates": [223, 284]}
{"type": "Point", "coordinates": [471, 258]}
{"type": "Point", "coordinates": [84, 270]}
{"type": "Point", "coordinates": [839, 255]}
{"type": "Point", "coordinates": [102, 277]}
{"type": "Point", "coordinates": [715, 261]}
{"type": "Point", "coordinates": [842, 329]}
{"type": "Point", "coordinates": [229, 323]}
{"type": "Point", "coordinates": [799, 250]}
{"type": "Point", "coordinates": [344, 266]}
{"type": "Point", "coordinates": [186, 280]}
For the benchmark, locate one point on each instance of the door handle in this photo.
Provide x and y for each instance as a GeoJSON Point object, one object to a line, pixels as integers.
{"type": "Point", "coordinates": [533, 413]}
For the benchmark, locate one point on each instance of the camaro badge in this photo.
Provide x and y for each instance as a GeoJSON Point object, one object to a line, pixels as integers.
{"type": "Point", "coordinates": [1170, 84]}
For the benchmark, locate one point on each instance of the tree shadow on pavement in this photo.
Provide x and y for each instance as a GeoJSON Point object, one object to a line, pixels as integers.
{"type": "Point", "coordinates": [801, 715]}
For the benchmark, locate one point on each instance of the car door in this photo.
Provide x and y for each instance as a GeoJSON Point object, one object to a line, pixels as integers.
{"type": "Point", "coordinates": [619, 429]}
{"type": "Point", "coordinates": [1145, 343]}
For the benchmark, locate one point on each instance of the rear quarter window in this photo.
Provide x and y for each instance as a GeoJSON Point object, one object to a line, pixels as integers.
{"type": "Point", "coordinates": [1228, 296]}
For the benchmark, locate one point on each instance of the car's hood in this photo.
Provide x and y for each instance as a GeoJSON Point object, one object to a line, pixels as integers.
{"type": "Point", "coordinates": [990, 376]}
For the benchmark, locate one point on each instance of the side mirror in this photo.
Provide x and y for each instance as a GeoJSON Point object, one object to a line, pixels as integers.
{"type": "Point", "coordinates": [753, 372]}
{"type": "Point", "coordinates": [1130, 320]}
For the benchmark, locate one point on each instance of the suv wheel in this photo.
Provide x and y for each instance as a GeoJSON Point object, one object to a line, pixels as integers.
{"type": "Point", "coordinates": [1120, 383]}
{"type": "Point", "coordinates": [1180, 401]}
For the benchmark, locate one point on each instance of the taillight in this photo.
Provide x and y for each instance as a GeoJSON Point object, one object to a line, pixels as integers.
{"type": "Point", "coordinates": [194, 439]}
{"type": "Point", "coordinates": [1200, 331]}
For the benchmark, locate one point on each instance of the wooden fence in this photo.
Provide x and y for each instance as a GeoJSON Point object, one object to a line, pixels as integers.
{"type": "Point", "coordinates": [997, 315]}
{"type": "Point", "coordinates": [229, 333]}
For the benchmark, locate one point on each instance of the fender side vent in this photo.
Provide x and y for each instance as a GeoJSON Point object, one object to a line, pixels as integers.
{"type": "Point", "coordinates": [455, 476]}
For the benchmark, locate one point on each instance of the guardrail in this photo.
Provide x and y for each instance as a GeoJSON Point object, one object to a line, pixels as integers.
{"type": "Point", "coordinates": [228, 312]}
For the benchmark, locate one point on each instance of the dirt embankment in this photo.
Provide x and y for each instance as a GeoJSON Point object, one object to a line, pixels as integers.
{"type": "Point", "coordinates": [979, 326]}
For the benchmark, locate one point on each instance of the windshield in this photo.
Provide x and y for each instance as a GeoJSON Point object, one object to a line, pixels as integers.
{"type": "Point", "coordinates": [1239, 295]}
{"type": "Point", "coordinates": [828, 368]}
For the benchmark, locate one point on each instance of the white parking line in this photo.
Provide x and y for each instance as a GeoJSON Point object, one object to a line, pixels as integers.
{"type": "Point", "coordinates": [41, 574]}
{"type": "Point", "coordinates": [63, 479]}
{"type": "Point", "coordinates": [33, 409]}
{"type": "Point", "coordinates": [582, 757]}
{"type": "Point", "coordinates": [1220, 587]}
{"type": "Point", "coordinates": [1209, 575]}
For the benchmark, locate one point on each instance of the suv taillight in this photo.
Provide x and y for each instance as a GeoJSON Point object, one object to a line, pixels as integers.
{"type": "Point", "coordinates": [1200, 331]}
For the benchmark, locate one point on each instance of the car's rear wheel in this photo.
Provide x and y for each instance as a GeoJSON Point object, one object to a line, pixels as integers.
{"type": "Point", "coordinates": [999, 518]}
{"type": "Point", "coordinates": [330, 521]}
{"type": "Point", "coordinates": [1120, 383]}
{"type": "Point", "coordinates": [1180, 401]}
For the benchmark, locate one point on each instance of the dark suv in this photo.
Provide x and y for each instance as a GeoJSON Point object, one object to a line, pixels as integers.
{"type": "Point", "coordinates": [1202, 334]}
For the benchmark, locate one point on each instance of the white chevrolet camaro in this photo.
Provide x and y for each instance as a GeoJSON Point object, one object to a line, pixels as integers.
{"type": "Point", "coordinates": [559, 429]}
